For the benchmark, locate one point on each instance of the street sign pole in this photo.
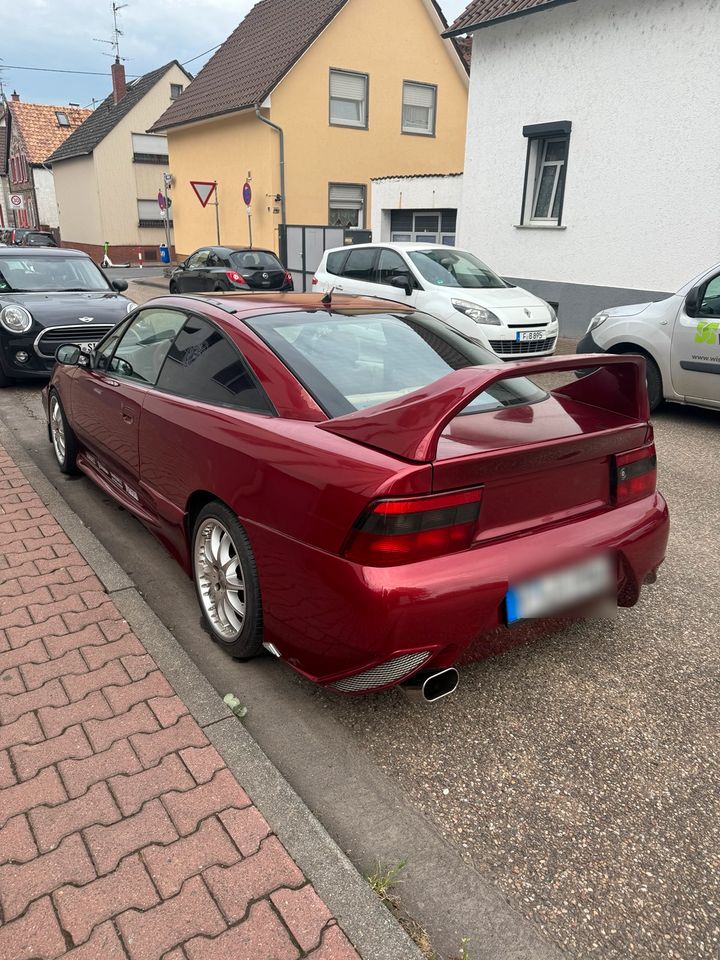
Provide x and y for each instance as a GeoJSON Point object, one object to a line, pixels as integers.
{"type": "Point", "coordinates": [250, 225]}
{"type": "Point", "coordinates": [167, 216]}
{"type": "Point", "coordinates": [217, 213]}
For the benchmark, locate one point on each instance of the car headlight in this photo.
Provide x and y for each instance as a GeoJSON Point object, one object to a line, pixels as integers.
{"type": "Point", "coordinates": [15, 319]}
{"type": "Point", "coordinates": [597, 320]}
{"type": "Point", "coordinates": [553, 314]}
{"type": "Point", "coordinates": [476, 313]}
{"type": "Point", "coordinates": [130, 307]}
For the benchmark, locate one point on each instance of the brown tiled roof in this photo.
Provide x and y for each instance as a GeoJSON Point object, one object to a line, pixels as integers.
{"type": "Point", "coordinates": [3, 150]}
{"type": "Point", "coordinates": [253, 60]}
{"type": "Point", "coordinates": [39, 127]}
{"type": "Point", "coordinates": [481, 13]}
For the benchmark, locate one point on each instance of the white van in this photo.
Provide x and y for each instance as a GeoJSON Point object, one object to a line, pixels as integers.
{"type": "Point", "coordinates": [449, 284]}
{"type": "Point", "coordinates": [679, 337]}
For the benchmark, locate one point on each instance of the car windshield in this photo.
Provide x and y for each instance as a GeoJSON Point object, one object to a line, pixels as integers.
{"type": "Point", "coordinates": [254, 260]}
{"type": "Point", "coordinates": [453, 268]}
{"type": "Point", "coordinates": [351, 363]}
{"type": "Point", "coordinates": [46, 274]}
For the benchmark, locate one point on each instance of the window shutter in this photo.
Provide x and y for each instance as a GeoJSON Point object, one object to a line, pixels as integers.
{"type": "Point", "coordinates": [150, 143]}
{"type": "Point", "coordinates": [347, 86]}
{"type": "Point", "coordinates": [419, 95]}
{"type": "Point", "coordinates": [346, 196]}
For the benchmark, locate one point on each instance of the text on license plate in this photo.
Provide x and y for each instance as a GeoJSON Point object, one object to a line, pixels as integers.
{"type": "Point", "coordinates": [88, 345]}
{"type": "Point", "coordinates": [561, 589]}
{"type": "Point", "coordinates": [524, 335]}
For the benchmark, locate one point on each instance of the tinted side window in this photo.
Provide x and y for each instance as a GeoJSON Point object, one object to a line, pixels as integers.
{"type": "Point", "coordinates": [335, 262]}
{"type": "Point", "coordinates": [198, 259]}
{"type": "Point", "coordinates": [104, 350]}
{"type": "Point", "coordinates": [144, 345]}
{"type": "Point", "coordinates": [710, 306]}
{"type": "Point", "coordinates": [390, 265]}
{"type": "Point", "coordinates": [360, 264]}
{"type": "Point", "coordinates": [203, 365]}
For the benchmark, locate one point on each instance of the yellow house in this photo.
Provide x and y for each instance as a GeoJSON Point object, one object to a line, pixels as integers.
{"type": "Point", "coordinates": [109, 171]}
{"type": "Point", "coordinates": [307, 102]}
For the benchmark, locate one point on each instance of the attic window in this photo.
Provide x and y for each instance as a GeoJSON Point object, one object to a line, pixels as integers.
{"type": "Point", "coordinates": [175, 90]}
{"type": "Point", "coordinates": [62, 118]}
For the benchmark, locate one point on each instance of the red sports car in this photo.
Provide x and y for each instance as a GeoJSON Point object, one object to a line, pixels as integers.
{"type": "Point", "coordinates": [359, 488]}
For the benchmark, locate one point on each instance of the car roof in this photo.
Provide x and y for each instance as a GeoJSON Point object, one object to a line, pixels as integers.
{"type": "Point", "coordinates": [44, 252]}
{"type": "Point", "coordinates": [393, 245]}
{"type": "Point", "coordinates": [237, 249]}
{"type": "Point", "coordinates": [254, 304]}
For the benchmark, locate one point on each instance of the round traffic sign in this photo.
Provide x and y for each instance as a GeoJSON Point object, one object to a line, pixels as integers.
{"type": "Point", "coordinates": [247, 194]}
{"type": "Point", "coordinates": [16, 200]}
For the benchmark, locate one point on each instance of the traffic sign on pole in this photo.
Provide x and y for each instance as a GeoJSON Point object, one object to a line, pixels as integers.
{"type": "Point", "coordinates": [203, 190]}
{"type": "Point", "coordinates": [161, 200]}
{"type": "Point", "coordinates": [247, 194]}
{"type": "Point", "coordinates": [17, 201]}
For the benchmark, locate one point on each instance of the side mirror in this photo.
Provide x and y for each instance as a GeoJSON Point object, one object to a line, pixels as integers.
{"type": "Point", "coordinates": [120, 285]}
{"type": "Point", "coordinates": [68, 353]}
{"type": "Point", "coordinates": [403, 282]}
{"type": "Point", "coordinates": [692, 302]}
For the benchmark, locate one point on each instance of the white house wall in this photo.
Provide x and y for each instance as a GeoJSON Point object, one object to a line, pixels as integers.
{"type": "Point", "coordinates": [411, 193]}
{"type": "Point", "coordinates": [640, 83]}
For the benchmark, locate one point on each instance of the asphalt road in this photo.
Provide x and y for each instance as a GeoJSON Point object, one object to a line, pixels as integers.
{"type": "Point", "coordinates": [578, 774]}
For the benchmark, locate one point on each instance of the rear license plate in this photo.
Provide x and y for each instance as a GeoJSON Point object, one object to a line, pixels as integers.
{"type": "Point", "coordinates": [561, 589]}
{"type": "Point", "coordinates": [524, 335]}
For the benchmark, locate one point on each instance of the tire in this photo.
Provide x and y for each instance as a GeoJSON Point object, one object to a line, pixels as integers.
{"type": "Point", "coordinates": [62, 437]}
{"type": "Point", "coordinates": [219, 288]}
{"type": "Point", "coordinates": [654, 383]}
{"type": "Point", "coordinates": [173, 288]}
{"type": "Point", "coordinates": [233, 616]}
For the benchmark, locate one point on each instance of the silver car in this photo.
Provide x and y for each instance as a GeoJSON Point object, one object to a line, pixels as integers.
{"type": "Point", "coordinates": [679, 337]}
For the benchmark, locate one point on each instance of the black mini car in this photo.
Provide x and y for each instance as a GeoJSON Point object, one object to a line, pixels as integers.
{"type": "Point", "coordinates": [49, 297]}
{"type": "Point", "coordinates": [239, 269]}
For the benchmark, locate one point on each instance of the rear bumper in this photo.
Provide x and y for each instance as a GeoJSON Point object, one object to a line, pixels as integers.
{"type": "Point", "coordinates": [334, 619]}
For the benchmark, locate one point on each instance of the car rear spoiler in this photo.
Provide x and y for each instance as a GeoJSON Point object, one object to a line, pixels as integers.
{"type": "Point", "coordinates": [410, 426]}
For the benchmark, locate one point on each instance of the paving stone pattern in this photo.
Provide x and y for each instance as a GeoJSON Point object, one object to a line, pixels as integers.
{"type": "Point", "coordinates": [123, 835]}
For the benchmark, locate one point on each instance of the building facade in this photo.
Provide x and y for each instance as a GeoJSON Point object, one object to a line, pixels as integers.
{"type": "Point", "coordinates": [345, 109]}
{"type": "Point", "coordinates": [592, 166]}
{"type": "Point", "coordinates": [109, 173]}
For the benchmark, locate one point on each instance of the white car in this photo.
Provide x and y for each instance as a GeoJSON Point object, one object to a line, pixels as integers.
{"type": "Point", "coordinates": [449, 284]}
{"type": "Point", "coordinates": [679, 337]}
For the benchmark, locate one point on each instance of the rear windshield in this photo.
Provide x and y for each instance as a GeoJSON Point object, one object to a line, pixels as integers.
{"type": "Point", "coordinates": [453, 268]}
{"type": "Point", "coordinates": [254, 260]}
{"type": "Point", "coordinates": [39, 273]}
{"type": "Point", "coordinates": [352, 363]}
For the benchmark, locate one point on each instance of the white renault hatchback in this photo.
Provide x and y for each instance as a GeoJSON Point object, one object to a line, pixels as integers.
{"type": "Point", "coordinates": [447, 283]}
{"type": "Point", "coordinates": [679, 337]}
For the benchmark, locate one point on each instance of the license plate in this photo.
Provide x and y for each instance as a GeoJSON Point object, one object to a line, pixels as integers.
{"type": "Point", "coordinates": [88, 346]}
{"type": "Point", "coordinates": [524, 335]}
{"type": "Point", "coordinates": [561, 589]}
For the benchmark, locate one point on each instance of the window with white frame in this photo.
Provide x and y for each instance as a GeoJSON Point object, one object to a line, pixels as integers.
{"type": "Point", "coordinates": [419, 108]}
{"type": "Point", "coordinates": [348, 99]}
{"type": "Point", "coordinates": [347, 205]}
{"type": "Point", "coordinates": [149, 148]}
{"type": "Point", "coordinates": [175, 90]}
{"type": "Point", "coordinates": [62, 118]}
{"type": "Point", "coordinates": [546, 173]}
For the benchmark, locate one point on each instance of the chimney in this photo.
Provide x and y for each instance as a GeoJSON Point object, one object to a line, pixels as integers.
{"type": "Point", "coordinates": [15, 96]}
{"type": "Point", "coordinates": [118, 81]}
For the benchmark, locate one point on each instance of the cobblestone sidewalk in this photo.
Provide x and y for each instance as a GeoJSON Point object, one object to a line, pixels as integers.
{"type": "Point", "coordinates": [122, 832]}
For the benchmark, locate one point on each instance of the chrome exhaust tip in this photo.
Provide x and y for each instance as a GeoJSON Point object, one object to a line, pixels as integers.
{"type": "Point", "coordinates": [429, 686]}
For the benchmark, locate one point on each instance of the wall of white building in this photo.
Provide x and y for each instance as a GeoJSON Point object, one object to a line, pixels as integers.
{"type": "Point", "coordinates": [411, 193]}
{"type": "Point", "coordinates": [47, 208]}
{"type": "Point", "coordinates": [640, 83]}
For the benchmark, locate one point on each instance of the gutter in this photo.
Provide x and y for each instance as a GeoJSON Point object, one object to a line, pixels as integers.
{"type": "Point", "coordinates": [283, 210]}
{"type": "Point", "coordinates": [472, 27]}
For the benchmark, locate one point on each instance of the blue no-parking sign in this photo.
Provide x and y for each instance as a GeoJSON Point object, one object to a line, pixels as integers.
{"type": "Point", "coordinates": [247, 194]}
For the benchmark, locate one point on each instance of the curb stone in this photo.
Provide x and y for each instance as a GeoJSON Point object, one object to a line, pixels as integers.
{"type": "Point", "coordinates": [367, 922]}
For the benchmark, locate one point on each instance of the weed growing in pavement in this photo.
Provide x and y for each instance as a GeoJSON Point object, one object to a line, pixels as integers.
{"type": "Point", "coordinates": [383, 880]}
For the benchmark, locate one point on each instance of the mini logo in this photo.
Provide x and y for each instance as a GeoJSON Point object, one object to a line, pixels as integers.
{"type": "Point", "coordinates": [86, 319]}
{"type": "Point", "coordinates": [266, 276]}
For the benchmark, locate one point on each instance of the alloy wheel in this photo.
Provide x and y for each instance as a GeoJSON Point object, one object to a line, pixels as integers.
{"type": "Point", "coordinates": [220, 579]}
{"type": "Point", "coordinates": [57, 430]}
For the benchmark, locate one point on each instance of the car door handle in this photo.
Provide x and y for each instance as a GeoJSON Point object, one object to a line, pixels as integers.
{"type": "Point", "coordinates": [127, 414]}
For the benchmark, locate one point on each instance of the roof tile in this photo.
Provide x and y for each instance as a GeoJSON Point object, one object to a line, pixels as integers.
{"type": "Point", "coordinates": [480, 13]}
{"type": "Point", "coordinates": [39, 127]}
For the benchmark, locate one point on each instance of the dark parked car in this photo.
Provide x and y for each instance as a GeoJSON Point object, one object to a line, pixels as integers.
{"type": "Point", "coordinates": [38, 238]}
{"type": "Point", "coordinates": [48, 297]}
{"type": "Point", "coordinates": [13, 236]}
{"type": "Point", "coordinates": [366, 493]}
{"type": "Point", "coordinates": [230, 268]}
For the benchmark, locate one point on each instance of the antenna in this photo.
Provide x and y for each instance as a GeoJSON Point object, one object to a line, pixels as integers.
{"type": "Point", "coordinates": [117, 33]}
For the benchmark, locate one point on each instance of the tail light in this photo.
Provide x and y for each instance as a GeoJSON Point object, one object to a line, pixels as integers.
{"type": "Point", "coordinates": [235, 277]}
{"type": "Point", "coordinates": [635, 474]}
{"type": "Point", "coordinates": [288, 280]}
{"type": "Point", "coordinates": [315, 281]}
{"type": "Point", "coordinates": [392, 532]}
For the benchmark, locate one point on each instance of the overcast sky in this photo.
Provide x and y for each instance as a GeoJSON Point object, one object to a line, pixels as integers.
{"type": "Point", "coordinates": [60, 34]}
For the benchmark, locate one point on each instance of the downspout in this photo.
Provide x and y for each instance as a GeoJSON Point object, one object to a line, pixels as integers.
{"type": "Point", "coordinates": [283, 217]}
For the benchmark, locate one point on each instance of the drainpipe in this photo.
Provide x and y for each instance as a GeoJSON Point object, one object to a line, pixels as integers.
{"type": "Point", "coordinates": [283, 217]}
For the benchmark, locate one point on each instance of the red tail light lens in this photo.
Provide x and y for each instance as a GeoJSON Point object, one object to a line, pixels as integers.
{"type": "Point", "coordinates": [635, 474]}
{"type": "Point", "coordinates": [315, 281]}
{"type": "Point", "coordinates": [288, 281]}
{"type": "Point", "coordinates": [235, 277]}
{"type": "Point", "coordinates": [393, 532]}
